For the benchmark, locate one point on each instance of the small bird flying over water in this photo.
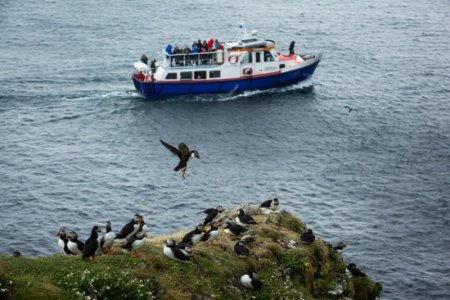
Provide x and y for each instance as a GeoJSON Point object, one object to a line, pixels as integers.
{"type": "Point", "coordinates": [184, 154]}
{"type": "Point", "coordinates": [350, 109]}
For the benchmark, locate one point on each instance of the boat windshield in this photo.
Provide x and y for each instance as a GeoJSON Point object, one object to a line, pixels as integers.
{"type": "Point", "coordinates": [190, 60]}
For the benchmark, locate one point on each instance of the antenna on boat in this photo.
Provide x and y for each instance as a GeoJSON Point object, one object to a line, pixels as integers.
{"type": "Point", "coordinates": [242, 32]}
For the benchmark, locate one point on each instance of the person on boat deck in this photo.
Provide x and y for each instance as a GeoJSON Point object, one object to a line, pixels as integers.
{"type": "Point", "coordinates": [144, 59]}
{"type": "Point", "coordinates": [220, 46]}
{"type": "Point", "coordinates": [169, 50]}
{"type": "Point", "coordinates": [205, 46]}
{"type": "Point", "coordinates": [216, 44]}
{"type": "Point", "coordinates": [153, 66]}
{"type": "Point", "coordinates": [194, 52]}
{"type": "Point", "coordinates": [199, 45]}
{"type": "Point", "coordinates": [210, 44]}
{"type": "Point", "coordinates": [291, 47]}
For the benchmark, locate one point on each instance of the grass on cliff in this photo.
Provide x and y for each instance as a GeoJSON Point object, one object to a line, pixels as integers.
{"type": "Point", "coordinates": [305, 272]}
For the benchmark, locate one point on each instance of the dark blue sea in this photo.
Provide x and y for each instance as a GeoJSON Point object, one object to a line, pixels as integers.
{"type": "Point", "coordinates": [79, 146]}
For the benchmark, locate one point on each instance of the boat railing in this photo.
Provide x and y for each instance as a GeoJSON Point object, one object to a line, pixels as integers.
{"type": "Point", "coordinates": [192, 60]}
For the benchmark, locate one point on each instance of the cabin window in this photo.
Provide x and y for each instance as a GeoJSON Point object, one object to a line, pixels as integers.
{"type": "Point", "coordinates": [214, 74]}
{"type": "Point", "coordinates": [247, 58]}
{"type": "Point", "coordinates": [171, 76]}
{"type": "Point", "coordinates": [258, 57]}
{"type": "Point", "coordinates": [282, 66]}
{"type": "Point", "coordinates": [185, 75]}
{"type": "Point", "coordinates": [200, 74]}
{"type": "Point", "coordinates": [268, 56]}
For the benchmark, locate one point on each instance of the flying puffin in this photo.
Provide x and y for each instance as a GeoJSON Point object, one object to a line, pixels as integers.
{"type": "Point", "coordinates": [130, 229]}
{"type": "Point", "coordinates": [251, 281]}
{"type": "Point", "coordinates": [107, 240]}
{"type": "Point", "coordinates": [212, 234]}
{"type": "Point", "coordinates": [91, 244]}
{"type": "Point", "coordinates": [184, 154]}
{"type": "Point", "coordinates": [171, 251]}
{"type": "Point", "coordinates": [355, 271]}
{"type": "Point", "coordinates": [307, 237]}
{"type": "Point", "coordinates": [62, 242]}
{"type": "Point", "coordinates": [212, 214]}
{"type": "Point", "coordinates": [272, 204]}
{"type": "Point", "coordinates": [234, 229]}
{"type": "Point", "coordinates": [350, 109]}
{"type": "Point", "coordinates": [193, 236]}
{"type": "Point", "coordinates": [244, 219]}
{"type": "Point", "coordinates": [74, 245]}
{"type": "Point", "coordinates": [241, 250]}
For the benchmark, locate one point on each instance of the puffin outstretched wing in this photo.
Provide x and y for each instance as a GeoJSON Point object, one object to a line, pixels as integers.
{"type": "Point", "coordinates": [183, 150]}
{"type": "Point", "coordinates": [171, 148]}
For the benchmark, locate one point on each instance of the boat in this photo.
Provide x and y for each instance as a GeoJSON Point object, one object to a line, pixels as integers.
{"type": "Point", "coordinates": [244, 63]}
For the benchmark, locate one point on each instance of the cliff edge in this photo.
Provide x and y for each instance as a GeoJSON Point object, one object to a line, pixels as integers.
{"type": "Point", "coordinates": [287, 268]}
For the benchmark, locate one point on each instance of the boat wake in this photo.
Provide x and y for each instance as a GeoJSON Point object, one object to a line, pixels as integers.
{"type": "Point", "coordinates": [304, 86]}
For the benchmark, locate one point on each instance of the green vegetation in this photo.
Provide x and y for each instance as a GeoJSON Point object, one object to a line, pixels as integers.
{"type": "Point", "coordinates": [287, 270]}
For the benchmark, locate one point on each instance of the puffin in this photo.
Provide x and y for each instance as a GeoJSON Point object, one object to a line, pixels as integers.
{"type": "Point", "coordinates": [130, 229]}
{"type": "Point", "coordinates": [350, 109]}
{"type": "Point", "coordinates": [184, 154]}
{"type": "Point", "coordinates": [74, 245]}
{"type": "Point", "coordinates": [17, 253]}
{"type": "Point", "coordinates": [107, 240]}
{"type": "Point", "coordinates": [186, 248]}
{"type": "Point", "coordinates": [251, 281]}
{"type": "Point", "coordinates": [62, 242]}
{"type": "Point", "coordinates": [234, 229]}
{"type": "Point", "coordinates": [193, 236]}
{"type": "Point", "coordinates": [91, 244]}
{"type": "Point", "coordinates": [241, 250]}
{"type": "Point", "coordinates": [136, 242]}
{"type": "Point", "coordinates": [212, 234]}
{"type": "Point", "coordinates": [272, 204]}
{"type": "Point", "coordinates": [244, 219]}
{"type": "Point", "coordinates": [212, 213]}
{"type": "Point", "coordinates": [340, 246]}
{"type": "Point", "coordinates": [355, 271]}
{"type": "Point", "coordinates": [307, 237]}
{"type": "Point", "coordinates": [171, 251]}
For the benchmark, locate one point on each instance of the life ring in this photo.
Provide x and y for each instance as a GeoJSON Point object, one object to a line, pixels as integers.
{"type": "Point", "coordinates": [233, 59]}
{"type": "Point", "coordinates": [247, 71]}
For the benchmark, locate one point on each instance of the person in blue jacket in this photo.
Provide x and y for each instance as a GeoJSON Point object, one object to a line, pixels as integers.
{"type": "Point", "coordinates": [169, 50]}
